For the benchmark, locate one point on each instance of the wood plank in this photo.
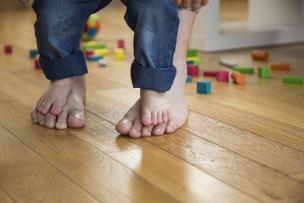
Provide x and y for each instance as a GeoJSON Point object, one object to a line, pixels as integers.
{"type": "Point", "coordinates": [88, 167]}
{"type": "Point", "coordinates": [171, 174]}
{"type": "Point", "coordinates": [4, 197]}
{"type": "Point", "coordinates": [29, 178]}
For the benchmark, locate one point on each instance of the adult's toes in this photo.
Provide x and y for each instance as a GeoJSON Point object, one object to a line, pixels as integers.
{"type": "Point", "coordinates": [34, 115]}
{"type": "Point", "coordinates": [45, 107]}
{"type": "Point", "coordinates": [146, 131]}
{"type": "Point", "coordinates": [76, 119]}
{"type": "Point", "coordinates": [154, 118]}
{"type": "Point", "coordinates": [62, 120]}
{"type": "Point", "coordinates": [50, 120]}
{"type": "Point", "coordinates": [159, 129]}
{"type": "Point", "coordinates": [40, 117]}
{"type": "Point", "coordinates": [56, 109]}
{"type": "Point", "coordinates": [146, 117]}
{"type": "Point", "coordinates": [135, 130]}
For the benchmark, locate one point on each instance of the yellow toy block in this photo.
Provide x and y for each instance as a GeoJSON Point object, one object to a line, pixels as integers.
{"type": "Point", "coordinates": [119, 54]}
{"type": "Point", "coordinates": [91, 23]}
{"type": "Point", "coordinates": [102, 52]}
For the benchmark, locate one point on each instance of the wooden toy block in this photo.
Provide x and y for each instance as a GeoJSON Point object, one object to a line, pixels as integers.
{"type": "Point", "coordinates": [121, 44]}
{"type": "Point", "coordinates": [230, 63]}
{"type": "Point", "coordinates": [264, 72]}
{"type": "Point", "coordinates": [94, 57]}
{"type": "Point", "coordinates": [222, 76]}
{"type": "Point", "coordinates": [238, 78]}
{"type": "Point", "coordinates": [210, 73]}
{"type": "Point", "coordinates": [191, 52]}
{"type": "Point", "coordinates": [102, 52]}
{"type": "Point", "coordinates": [203, 87]}
{"type": "Point", "coordinates": [246, 70]}
{"type": "Point", "coordinates": [189, 79]}
{"type": "Point", "coordinates": [89, 52]}
{"type": "Point", "coordinates": [33, 53]}
{"type": "Point", "coordinates": [93, 45]}
{"type": "Point", "coordinates": [280, 67]}
{"type": "Point", "coordinates": [192, 69]}
{"type": "Point", "coordinates": [102, 62]}
{"type": "Point", "coordinates": [37, 63]}
{"type": "Point", "coordinates": [119, 54]}
{"type": "Point", "coordinates": [8, 49]}
{"type": "Point", "coordinates": [289, 79]}
{"type": "Point", "coordinates": [260, 55]}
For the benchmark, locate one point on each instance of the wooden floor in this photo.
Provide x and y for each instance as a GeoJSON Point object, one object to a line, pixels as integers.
{"type": "Point", "coordinates": [240, 144]}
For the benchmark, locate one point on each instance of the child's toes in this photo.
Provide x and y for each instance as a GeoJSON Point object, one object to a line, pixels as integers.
{"type": "Point", "coordinates": [56, 108]}
{"type": "Point", "coordinates": [159, 129]}
{"type": "Point", "coordinates": [40, 117]}
{"type": "Point", "coordinates": [46, 107]}
{"type": "Point", "coordinates": [76, 119]}
{"type": "Point", "coordinates": [50, 120]}
{"type": "Point", "coordinates": [135, 131]}
{"type": "Point", "coordinates": [146, 117]}
{"type": "Point", "coordinates": [34, 115]}
{"type": "Point", "coordinates": [165, 116]}
{"type": "Point", "coordinates": [146, 131]}
{"type": "Point", "coordinates": [62, 120]}
{"type": "Point", "coordinates": [160, 117]}
{"type": "Point", "coordinates": [154, 118]}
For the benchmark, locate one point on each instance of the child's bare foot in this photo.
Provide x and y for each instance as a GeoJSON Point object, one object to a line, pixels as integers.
{"type": "Point", "coordinates": [131, 124]}
{"type": "Point", "coordinates": [55, 96]}
{"type": "Point", "coordinates": [72, 114]}
{"type": "Point", "coordinates": [154, 107]}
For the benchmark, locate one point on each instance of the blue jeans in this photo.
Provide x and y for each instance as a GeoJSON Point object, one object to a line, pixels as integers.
{"type": "Point", "coordinates": [155, 24]}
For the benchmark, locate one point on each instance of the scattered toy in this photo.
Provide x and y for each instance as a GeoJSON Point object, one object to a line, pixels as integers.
{"type": "Point", "coordinates": [238, 78]}
{"type": "Point", "coordinates": [289, 79]}
{"type": "Point", "coordinates": [222, 76]}
{"type": "Point", "coordinates": [191, 53]}
{"type": "Point", "coordinates": [119, 53]}
{"type": "Point", "coordinates": [121, 44]}
{"type": "Point", "coordinates": [102, 52]}
{"type": "Point", "coordinates": [91, 27]}
{"type": "Point", "coordinates": [247, 70]}
{"type": "Point", "coordinates": [192, 69]}
{"type": "Point", "coordinates": [264, 72]}
{"type": "Point", "coordinates": [33, 53]}
{"type": "Point", "coordinates": [280, 67]}
{"type": "Point", "coordinates": [230, 63]}
{"type": "Point", "coordinates": [102, 62]}
{"type": "Point", "coordinates": [260, 55]}
{"type": "Point", "coordinates": [8, 49]}
{"type": "Point", "coordinates": [93, 45]}
{"type": "Point", "coordinates": [94, 57]}
{"type": "Point", "coordinates": [37, 63]}
{"type": "Point", "coordinates": [189, 79]}
{"type": "Point", "coordinates": [203, 87]}
{"type": "Point", "coordinates": [210, 73]}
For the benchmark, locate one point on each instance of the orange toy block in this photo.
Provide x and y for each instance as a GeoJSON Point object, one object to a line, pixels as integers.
{"type": "Point", "coordinates": [280, 67]}
{"type": "Point", "coordinates": [260, 55]}
{"type": "Point", "coordinates": [238, 78]}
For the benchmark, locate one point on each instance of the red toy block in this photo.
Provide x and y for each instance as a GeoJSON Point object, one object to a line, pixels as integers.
{"type": "Point", "coordinates": [121, 44]}
{"type": "Point", "coordinates": [209, 73]}
{"type": "Point", "coordinates": [8, 49]}
{"type": "Point", "coordinates": [238, 78]}
{"type": "Point", "coordinates": [37, 63]}
{"type": "Point", "coordinates": [192, 69]}
{"type": "Point", "coordinates": [89, 52]}
{"type": "Point", "coordinates": [261, 55]}
{"type": "Point", "coordinates": [222, 76]}
{"type": "Point", "coordinates": [280, 67]}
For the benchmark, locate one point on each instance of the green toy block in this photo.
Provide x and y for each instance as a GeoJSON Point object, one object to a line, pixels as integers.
{"type": "Point", "coordinates": [264, 72]}
{"type": "Point", "coordinates": [93, 45]}
{"type": "Point", "coordinates": [246, 70]}
{"type": "Point", "coordinates": [293, 79]}
{"type": "Point", "coordinates": [191, 52]}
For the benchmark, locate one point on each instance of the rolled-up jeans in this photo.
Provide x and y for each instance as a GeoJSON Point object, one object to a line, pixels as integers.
{"type": "Point", "coordinates": [58, 31]}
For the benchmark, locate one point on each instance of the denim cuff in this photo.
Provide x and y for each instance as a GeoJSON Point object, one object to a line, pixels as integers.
{"type": "Point", "coordinates": [158, 79]}
{"type": "Point", "coordinates": [65, 67]}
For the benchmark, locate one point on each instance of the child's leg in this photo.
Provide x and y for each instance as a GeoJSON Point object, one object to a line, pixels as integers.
{"type": "Point", "coordinates": [176, 95]}
{"type": "Point", "coordinates": [155, 25]}
{"type": "Point", "coordinates": [58, 30]}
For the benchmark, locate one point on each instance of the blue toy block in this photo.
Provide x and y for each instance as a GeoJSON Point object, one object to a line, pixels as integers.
{"type": "Point", "coordinates": [92, 32]}
{"type": "Point", "coordinates": [190, 62]}
{"type": "Point", "coordinates": [203, 87]}
{"type": "Point", "coordinates": [33, 53]}
{"type": "Point", "coordinates": [94, 58]}
{"type": "Point", "coordinates": [189, 79]}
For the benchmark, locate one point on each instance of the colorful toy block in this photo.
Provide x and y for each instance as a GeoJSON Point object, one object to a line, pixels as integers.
{"type": "Point", "coordinates": [194, 60]}
{"type": "Point", "coordinates": [8, 49]}
{"type": "Point", "coordinates": [260, 55]}
{"type": "Point", "coordinates": [192, 69]}
{"type": "Point", "coordinates": [102, 52]}
{"type": "Point", "coordinates": [91, 27]}
{"type": "Point", "coordinates": [121, 44]}
{"type": "Point", "coordinates": [94, 57]}
{"type": "Point", "coordinates": [222, 76]}
{"type": "Point", "coordinates": [119, 54]}
{"type": "Point", "coordinates": [289, 79]}
{"type": "Point", "coordinates": [189, 79]}
{"type": "Point", "coordinates": [230, 63]}
{"type": "Point", "coordinates": [280, 67]}
{"type": "Point", "coordinates": [102, 62]}
{"type": "Point", "coordinates": [191, 52]}
{"type": "Point", "coordinates": [89, 52]}
{"type": "Point", "coordinates": [246, 70]}
{"type": "Point", "coordinates": [210, 73]}
{"type": "Point", "coordinates": [37, 63]}
{"type": "Point", "coordinates": [264, 72]}
{"type": "Point", "coordinates": [93, 45]}
{"type": "Point", "coordinates": [34, 53]}
{"type": "Point", "coordinates": [203, 87]}
{"type": "Point", "coordinates": [238, 78]}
